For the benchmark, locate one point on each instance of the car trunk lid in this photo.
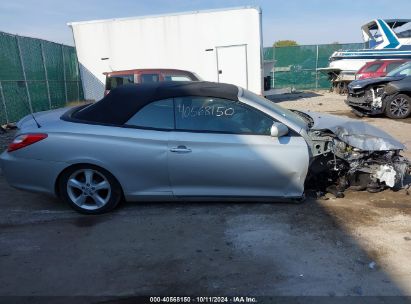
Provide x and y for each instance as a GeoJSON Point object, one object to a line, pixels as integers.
{"type": "Point", "coordinates": [43, 118]}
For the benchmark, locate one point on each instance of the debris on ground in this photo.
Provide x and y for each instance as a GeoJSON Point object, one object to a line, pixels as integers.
{"type": "Point", "coordinates": [357, 290]}
{"type": "Point", "coordinates": [11, 126]}
{"type": "Point", "coordinates": [8, 126]}
{"type": "Point", "coordinates": [6, 137]}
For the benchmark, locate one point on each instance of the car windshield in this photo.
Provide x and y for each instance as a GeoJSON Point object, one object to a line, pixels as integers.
{"type": "Point", "coordinates": [404, 69]}
{"type": "Point", "coordinates": [291, 116]}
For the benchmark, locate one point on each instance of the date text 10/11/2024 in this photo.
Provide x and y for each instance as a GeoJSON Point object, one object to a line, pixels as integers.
{"type": "Point", "coordinates": [203, 300]}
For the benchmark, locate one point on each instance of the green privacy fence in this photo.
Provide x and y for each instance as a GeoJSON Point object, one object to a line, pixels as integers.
{"type": "Point", "coordinates": [296, 66]}
{"type": "Point", "coordinates": [35, 75]}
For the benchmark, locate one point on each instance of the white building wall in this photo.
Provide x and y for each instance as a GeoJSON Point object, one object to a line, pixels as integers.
{"type": "Point", "coordinates": [170, 41]}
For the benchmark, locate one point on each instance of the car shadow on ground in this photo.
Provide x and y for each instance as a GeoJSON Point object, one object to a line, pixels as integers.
{"type": "Point", "coordinates": [293, 96]}
{"type": "Point", "coordinates": [185, 248]}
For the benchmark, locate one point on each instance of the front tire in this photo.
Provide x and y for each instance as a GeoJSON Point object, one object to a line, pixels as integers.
{"type": "Point", "coordinates": [90, 189]}
{"type": "Point", "coordinates": [398, 107]}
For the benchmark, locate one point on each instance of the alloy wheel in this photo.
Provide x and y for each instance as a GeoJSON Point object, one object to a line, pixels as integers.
{"type": "Point", "coordinates": [88, 189]}
{"type": "Point", "coordinates": [399, 106]}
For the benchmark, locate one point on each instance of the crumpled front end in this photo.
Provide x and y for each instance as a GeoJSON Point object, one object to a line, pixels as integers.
{"type": "Point", "coordinates": [344, 166]}
{"type": "Point", "coordinates": [349, 153]}
{"type": "Point", "coordinates": [366, 101]}
{"type": "Point", "coordinates": [368, 96]}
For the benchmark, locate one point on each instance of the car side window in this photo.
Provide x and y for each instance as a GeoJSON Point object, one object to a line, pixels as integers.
{"type": "Point", "coordinates": [157, 115]}
{"type": "Point", "coordinates": [177, 78]}
{"type": "Point", "coordinates": [373, 67]}
{"type": "Point", "coordinates": [115, 81]}
{"type": "Point", "coordinates": [207, 114]}
{"type": "Point", "coordinates": [147, 78]}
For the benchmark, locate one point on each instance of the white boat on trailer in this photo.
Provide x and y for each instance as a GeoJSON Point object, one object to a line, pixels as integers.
{"type": "Point", "coordinates": [384, 39]}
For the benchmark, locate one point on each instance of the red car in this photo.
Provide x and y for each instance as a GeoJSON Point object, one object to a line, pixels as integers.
{"type": "Point", "coordinates": [117, 78]}
{"type": "Point", "coordinates": [378, 68]}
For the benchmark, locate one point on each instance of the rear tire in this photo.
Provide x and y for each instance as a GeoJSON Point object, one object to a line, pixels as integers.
{"type": "Point", "coordinates": [89, 189]}
{"type": "Point", "coordinates": [398, 107]}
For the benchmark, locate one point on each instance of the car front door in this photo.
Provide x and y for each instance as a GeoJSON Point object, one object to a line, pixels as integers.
{"type": "Point", "coordinates": [144, 154]}
{"type": "Point", "coordinates": [224, 148]}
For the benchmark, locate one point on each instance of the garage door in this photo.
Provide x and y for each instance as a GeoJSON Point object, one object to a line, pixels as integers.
{"type": "Point", "coordinates": [232, 65]}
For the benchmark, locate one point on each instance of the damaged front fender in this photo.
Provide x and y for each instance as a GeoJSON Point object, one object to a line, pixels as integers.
{"type": "Point", "coordinates": [353, 154]}
{"type": "Point", "coordinates": [357, 134]}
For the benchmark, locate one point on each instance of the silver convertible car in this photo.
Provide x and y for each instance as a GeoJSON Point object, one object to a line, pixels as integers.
{"type": "Point", "coordinates": [195, 140]}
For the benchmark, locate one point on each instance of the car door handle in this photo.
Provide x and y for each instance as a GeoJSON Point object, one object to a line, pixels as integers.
{"type": "Point", "coordinates": [180, 149]}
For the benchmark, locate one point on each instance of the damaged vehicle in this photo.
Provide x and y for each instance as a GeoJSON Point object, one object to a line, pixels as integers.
{"type": "Point", "coordinates": [195, 141]}
{"type": "Point", "coordinates": [389, 95]}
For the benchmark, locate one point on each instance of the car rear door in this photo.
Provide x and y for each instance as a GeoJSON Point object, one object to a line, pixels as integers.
{"type": "Point", "coordinates": [223, 148]}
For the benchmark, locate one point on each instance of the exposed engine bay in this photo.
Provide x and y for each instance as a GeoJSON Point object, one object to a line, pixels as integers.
{"type": "Point", "coordinates": [337, 166]}
{"type": "Point", "coordinates": [350, 153]}
{"type": "Point", "coordinates": [367, 101]}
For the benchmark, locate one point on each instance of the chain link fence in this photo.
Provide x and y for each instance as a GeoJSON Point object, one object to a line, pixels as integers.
{"type": "Point", "coordinates": [296, 66]}
{"type": "Point", "coordinates": [36, 75]}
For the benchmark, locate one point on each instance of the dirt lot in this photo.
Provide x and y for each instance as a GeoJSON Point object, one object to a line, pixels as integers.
{"type": "Point", "coordinates": [358, 245]}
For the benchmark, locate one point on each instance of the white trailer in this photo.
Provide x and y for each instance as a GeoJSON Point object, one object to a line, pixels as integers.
{"type": "Point", "coordinates": [218, 45]}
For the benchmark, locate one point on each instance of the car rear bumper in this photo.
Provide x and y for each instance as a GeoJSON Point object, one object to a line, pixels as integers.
{"type": "Point", "coordinates": [30, 174]}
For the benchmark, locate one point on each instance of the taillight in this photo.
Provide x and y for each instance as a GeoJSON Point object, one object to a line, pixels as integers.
{"type": "Point", "coordinates": [25, 140]}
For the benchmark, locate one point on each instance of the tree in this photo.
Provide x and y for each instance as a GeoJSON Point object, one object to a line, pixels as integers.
{"type": "Point", "coordinates": [281, 43]}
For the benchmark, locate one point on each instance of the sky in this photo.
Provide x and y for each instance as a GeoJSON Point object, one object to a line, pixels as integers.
{"type": "Point", "coordinates": [306, 21]}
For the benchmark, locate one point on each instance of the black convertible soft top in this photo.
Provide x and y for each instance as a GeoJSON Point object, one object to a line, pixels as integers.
{"type": "Point", "coordinates": [123, 102]}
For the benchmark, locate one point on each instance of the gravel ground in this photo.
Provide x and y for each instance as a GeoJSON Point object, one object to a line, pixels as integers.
{"type": "Point", "coordinates": [357, 245]}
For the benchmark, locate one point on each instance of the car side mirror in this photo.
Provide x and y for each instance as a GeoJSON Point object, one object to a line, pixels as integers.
{"type": "Point", "coordinates": [278, 129]}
